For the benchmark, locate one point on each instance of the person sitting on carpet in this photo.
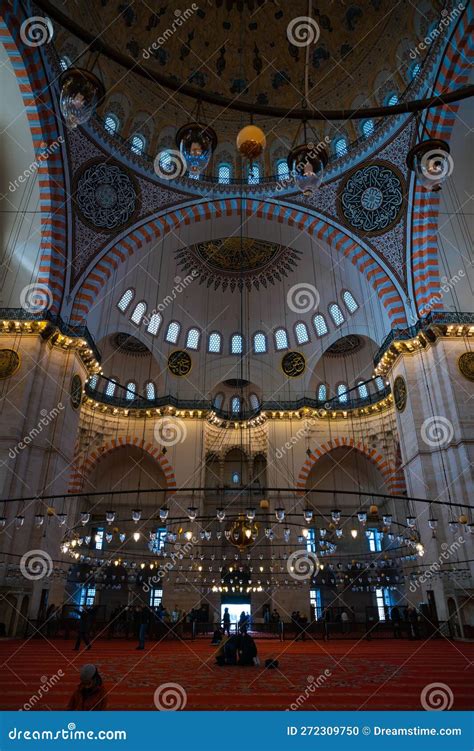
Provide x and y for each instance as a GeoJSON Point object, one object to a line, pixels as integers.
{"type": "Point", "coordinates": [90, 694]}
{"type": "Point", "coordinates": [217, 636]}
{"type": "Point", "coordinates": [247, 650]}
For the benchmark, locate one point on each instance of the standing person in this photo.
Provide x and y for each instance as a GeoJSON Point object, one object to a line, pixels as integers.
{"type": "Point", "coordinates": [177, 621]}
{"type": "Point", "coordinates": [414, 625]}
{"type": "Point", "coordinates": [326, 617]}
{"type": "Point", "coordinates": [243, 623]}
{"type": "Point", "coordinates": [143, 620]}
{"type": "Point", "coordinates": [345, 622]}
{"type": "Point", "coordinates": [83, 628]}
{"type": "Point", "coordinates": [226, 621]}
{"type": "Point", "coordinates": [396, 623]}
{"type": "Point", "coordinates": [90, 694]}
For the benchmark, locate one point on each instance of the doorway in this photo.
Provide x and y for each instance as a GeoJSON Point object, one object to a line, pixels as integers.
{"type": "Point", "coordinates": [235, 610]}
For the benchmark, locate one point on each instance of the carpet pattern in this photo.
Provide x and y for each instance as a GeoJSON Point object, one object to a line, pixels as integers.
{"type": "Point", "coordinates": [377, 675]}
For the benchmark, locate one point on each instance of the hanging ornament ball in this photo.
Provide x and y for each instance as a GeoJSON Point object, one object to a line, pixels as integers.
{"type": "Point", "coordinates": [374, 510]}
{"type": "Point", "coordinates": [264, 504]}
{"type": "Point", "coordinates": [80, 94]}
{"type": "Point", "coordinates": [463, 519]}
{"type": "Point", "coordinates": [251, 142]}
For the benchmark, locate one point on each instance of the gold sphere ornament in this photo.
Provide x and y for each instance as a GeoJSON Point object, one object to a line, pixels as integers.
{"type": "Point", "coordinates": [374, 510]}
{"type": "Point", "coordinates": [463, 519]}
{"type": "Point", "coordinates": [251, 142]}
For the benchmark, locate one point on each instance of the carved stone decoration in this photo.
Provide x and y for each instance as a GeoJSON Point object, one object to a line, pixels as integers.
{"type": "Point", "coordinates": [400, 393]}
{"type": "Point", "coordinates": [179, 363]}
{"type": "Point", "coordinates": [371, 198]}
{"type": "Point", "coordinates": [9, 362]}
{"type": "Point", "coordinates": [466, 365]}
{"type": "Point", "coordinates": [75, 391]}
{"type": "Point", "coordinates": [293, 364]}
{"type": "Point", "coordinates": [106, 196]}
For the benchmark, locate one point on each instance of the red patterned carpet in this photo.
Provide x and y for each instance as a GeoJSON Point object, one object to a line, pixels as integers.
{"type": "Point", "coordinates": [377, 675]}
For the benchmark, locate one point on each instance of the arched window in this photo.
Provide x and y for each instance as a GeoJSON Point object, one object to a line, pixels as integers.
{"type": "Point", "coordinates": [367, 128]}
{"type": "Point", "coordinates": [215, 343]}
{"type": "Point", "coordinates": [218, 401]}
{"type": "Point", "coordinates": [253, 174]}
{"type": "Point", "coordinates": [379, 383]}
{"type": "Point", "coordinates": [235, 405]}
{"type": "Point", "coordinates": [414, 70]}
{"type": "Point", "coordinates": [336, 314]}
{"type": "Point", "coordinates": [392, 99]}
{"type": "Point", "coordinates": [281, 339]}
{"type": "Point", "coordinates": [137, 143]}
{"type": "Point", "coordinates": [154, 324]}
{"type": "Point", "coordinates": [259, 343]}
{"type": "Point", "coordinates": [349, 301]}
{"type": "Point", "coordinates": [236, 478]}
{"type": "Point", "coordinates": [282, 171]}
{"type": "Point", "coordinates": [111, 123]}
{"type": "Point", "coordinates": [322, 392]}
{"type": "Point", "coordinates": [320, 325]}
{"type": "Point", "coordinates": [125, 300]}
{"type": "Point", "coordinates": [301, 333]}
{"type": "Point", "coordinates": [166, 163]}
{"type": "Point", "coordinates": [224, 173]}
{"type": "Point", "coordinates": [340, 146]}
{"type": "Point", "coordinates": [192, 339]}
{"type": "Point", "coordinates": [150, 390]}
{"type": "Point", "coordinates": [111, 386]}
{"type": "Point", "coordinates": [93, 381]}
{"type": "Point", "coordinates": [138, 313]}
{"type": "Point", "coordinates": [173, 332]}
{"type": "Point", "coordinates": [131, 390]}
{"type": "Point", "coordinates": [64, 62]}
{"type": "Point", "coordinates": [236, 344]}
{"type": "Point", "coordinates": [254, 401]}
{"type": "Point", "coordinates": [342, 392]}
{"type": "Point", "coordinates": [362, 389]}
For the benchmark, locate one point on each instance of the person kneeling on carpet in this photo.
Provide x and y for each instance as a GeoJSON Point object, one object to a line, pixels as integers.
{"type": "Point", "coordinates": [90, 694]}
{"type": "Point", "coordinates": [247, 651]}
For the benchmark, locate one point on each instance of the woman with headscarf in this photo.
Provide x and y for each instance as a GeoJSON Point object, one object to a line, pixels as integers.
{"type": "Point", "coordinates": [90, 693]}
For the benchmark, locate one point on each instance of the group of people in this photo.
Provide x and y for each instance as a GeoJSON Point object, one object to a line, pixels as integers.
{"type": "Point", "coordinates": [235, 649]}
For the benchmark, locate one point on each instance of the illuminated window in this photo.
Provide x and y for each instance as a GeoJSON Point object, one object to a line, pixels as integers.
{"type": "Point", "coordinates": [311, 541]}
{"type": "Point", "coordinates": [322, 392]}
{"type": "Point", "coordinates": [282, 171]}
{"type": "Point", "coordinates": [215, 342]}
{"type": "Point", "coordinates": [342, 392]}
{"type": "Point", "coordinates": [349, 301]}
{"type": "Point", "coordinates": [93, 381]}
{"type": "Point", "coordinates": [150, 390]}
{"type": "Point", "coordinates": [254, 402]}
{"type": "Point", "coordinates": [384, 602]}
{"type": "Point", "coordinates": [235, 405]}
{"type": "Point", "coordinates": [236, 344]}
{"type": "Point", "coordinates": [154, 324]}
{"type": "Point", "coordinates": [87, 596]}
{"type": "Point", "coordinates": [374, 538]}
{"type": "Point", "coordinates": [362, 389]}
{"type": "Point", "coordinates": [253, 175]}
{"type": "Point", "coordinates": [99, 538]}
{"type": "Point", "coordinates": [320, 325]}
{"type": "Point", "coordinates": [64, 62]}
{"type": "Point", "coordinates": [259, 343]}
{"type": "Point", "coordinates": [156, 596]}
{"type": "Point", "coordinates": [218, 401]}
{"type": "Point", "coordinates": [368, 128]}
{"type": "Point", "coordinates": [340, 146]}
{"type": "Point", "coordinates": [316, 602]}
{"type": "Point", "coordinates": [236, 478]}
{"type": "Point", "coordinates": [125, 300]}
{"type": "Point", "coordinates": [224, 173]}
{"type": "Point", "coordinates": [301, 333]}
{"type": "Point", "coordinates": [336, 314]}
{"type": "Point", "coordinates": [192, 339]}
{"type": "Point", "coordinates": [166, 163]}
{"type": "Point", "coordinates": [110, 388]}
{"type": "Point", "coordinates": [392, 100]}
{"type": "Point", "coordinates": [137, 144]}
{"type": "Point", "coordinates": [138, 313]}
{"type": "Point", "coordinates": [173, 332]}
{"type": "Point", "coordinates": [281, 339]}
{"type": "Point", "coordinates": [111, 123]}
{"type": "Point", "coordinates": [414, 70]}
{"type": "Point", "coordinates": [379, 383]}
{"type": "Point", "coordinates": [131, 390]}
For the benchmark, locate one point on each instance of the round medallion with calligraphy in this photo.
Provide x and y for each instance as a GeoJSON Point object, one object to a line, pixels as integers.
{"type": "Point", "coordinates": [466, 365]}
{"type": "Point", "coordinates": [75, 391]}
{"type": "Point", "coordinates": [371, 198]}
{"type": "Point", "coordinates": [293, 364]}
{"type": "Point", "coordinates": [9, 362]}
{"type": "Point", "coordinates": [179, 363]}
{"type": "Point", "coordinates": [400, 393]}
{"type": "Point", "coordinates": [106, 196]}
